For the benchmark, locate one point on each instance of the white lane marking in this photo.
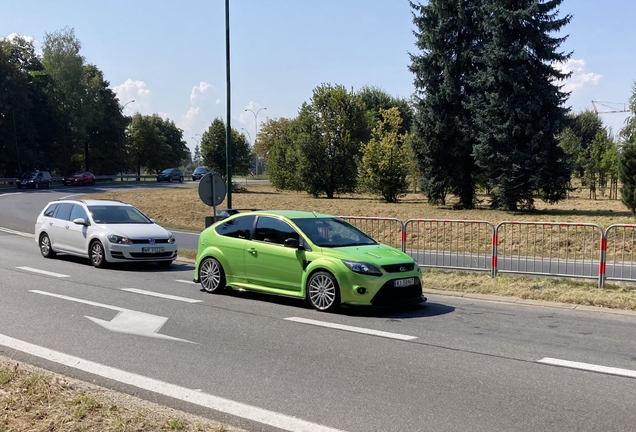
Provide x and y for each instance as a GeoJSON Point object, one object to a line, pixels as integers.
{"type": "Point", "coordinates": [165, 296]}
{"type": "Point", "coordinates": [20, 233]}
{"type": "Point", "coordinates": [186, 281]}
{"type": "Point", "coordinates": [589, 367]}
{"type": "Point", "coordinates": [206, 400]}
{"type": "Point", "coordinates": [10, 193]}
{"type": "Point", "coordinates": [127, 321]}
{"type": "Point", "coordinates": [44, 272]}
{"type": "Point", "coordinates": [88, 302]}
{"type": "Point", "coordinates": [352, 329]}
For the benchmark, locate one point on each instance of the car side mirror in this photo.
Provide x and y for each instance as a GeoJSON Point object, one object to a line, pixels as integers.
{"type": "Point", "coordinates": [292, 243]}
{"type": "Point", "coordinates": [80, 221]}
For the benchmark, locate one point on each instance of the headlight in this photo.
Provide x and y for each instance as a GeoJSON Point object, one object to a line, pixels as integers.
{"type": "Point", "coordinates": [362, 268]}
{"type": "Point", "coordinates": [118, 239]}
{"type": "Point", "coordinates": [171, 238]}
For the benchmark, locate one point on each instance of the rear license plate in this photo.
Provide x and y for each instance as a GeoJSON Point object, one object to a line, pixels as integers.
{"type": "Point", "coordinates": [151, 249]}
{"type": "Point", "coordinates": [403, 282]}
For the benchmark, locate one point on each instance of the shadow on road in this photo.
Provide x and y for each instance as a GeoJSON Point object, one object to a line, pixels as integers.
{"type": "Point", "coordinates": [133, 266]}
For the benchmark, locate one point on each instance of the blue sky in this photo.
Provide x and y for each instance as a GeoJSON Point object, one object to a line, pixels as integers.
{"type": "Point", "coordinates": [170, 56]}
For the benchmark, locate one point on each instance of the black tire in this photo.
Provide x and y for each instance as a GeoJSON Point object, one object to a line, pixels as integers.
{"type": "Point", "coordinates": [97, 254]}
{"type": "Point", "coordinates": [164, 264]}
{"type": "Point", "coordinates": [48, 185]}
{"type": "Point", "coordinates": [180, 179]}
{"type": "Point", "coordinates": [211, 275]}
{"type": "Point", "coordinates": [323, 292]}
{"type": "Point", "coordinates": [19, 186]}
{"type": "Point", "coordinates": [37, 185]}
{"type": "Point", "coordinates": [45, 246]}
{"type": "Point", "coordinates": [170, 179]}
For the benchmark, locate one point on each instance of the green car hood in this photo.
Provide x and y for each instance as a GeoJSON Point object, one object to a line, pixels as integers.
{"type": "Point", "coordinates": [372, 254]}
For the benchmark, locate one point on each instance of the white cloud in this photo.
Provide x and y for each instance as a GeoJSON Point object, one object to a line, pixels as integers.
{"type": "Point", "coordinates": [36, 44]}
{"type": "Point", "coordinates": [198, 94]}
{"type": "Point", "coordinates": [580, 77]}
{"type": "Point", "coordinates": [136, 91]}
{"type": "Point", "coordinates": [218, 102]}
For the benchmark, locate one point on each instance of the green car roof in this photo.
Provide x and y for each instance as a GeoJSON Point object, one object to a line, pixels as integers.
{"type": "Point", "coordinates": [293, 214]}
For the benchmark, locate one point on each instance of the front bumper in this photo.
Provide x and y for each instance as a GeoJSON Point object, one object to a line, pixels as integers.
{"type": "Point", "coordinates": [135, 253]}
{"type": "Point", "coordinates": [379, 291]}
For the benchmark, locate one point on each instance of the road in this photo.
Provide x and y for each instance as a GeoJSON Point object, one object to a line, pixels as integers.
{"type": "Point", "coordinates": [265, 363]}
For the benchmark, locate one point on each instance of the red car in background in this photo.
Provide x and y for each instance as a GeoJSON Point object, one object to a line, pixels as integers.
{"type": "Point", "coordinates": [78, 179]}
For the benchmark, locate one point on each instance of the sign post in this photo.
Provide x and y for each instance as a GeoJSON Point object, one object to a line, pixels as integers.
{"type": "Point", "coordinates": [212, 192]}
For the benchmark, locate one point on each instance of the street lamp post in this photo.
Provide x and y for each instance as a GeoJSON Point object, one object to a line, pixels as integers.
{"type": "Point", "coordinates": [255, 130]}
{"type": "Point", "coordinates": [123, 141]}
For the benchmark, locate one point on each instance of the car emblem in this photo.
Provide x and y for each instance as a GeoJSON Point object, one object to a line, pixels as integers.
{"type": "Point", "coordinates": [151, 241]}
{"type": "Point", "coordinates": [402, 268]}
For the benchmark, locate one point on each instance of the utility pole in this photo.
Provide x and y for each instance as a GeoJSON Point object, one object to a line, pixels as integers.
{"type": "Point", "coordinates": [228, 132]}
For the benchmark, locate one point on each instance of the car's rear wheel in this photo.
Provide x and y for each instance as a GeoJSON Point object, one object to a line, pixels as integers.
{"type": "Point", "coordinates": [48, 185]}
{"type": "Point", "coordinates": [212, 275]}
{"type": "Point", "coordinates": [323, 292]}
{"type": "Point", "coordinates": [180, 179]}
{"type": "Point", "coordinates": [164, 264]}
{"type": "Point", "coordinates": [45, 246]}
{"type": "Point", "coordinates": [170, 179]}
{"type": "Point", "coordinates": [37, 185]}
{"type": "Point", "coordinates": [97, 254]}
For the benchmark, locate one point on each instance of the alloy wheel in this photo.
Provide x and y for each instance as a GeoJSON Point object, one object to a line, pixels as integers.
{"type": "Point", "coordinates": [97, 254]}
{"type": "Point", "coordinates": [322, 291]}
{"type": "Point", "coordinates": [211, 275]}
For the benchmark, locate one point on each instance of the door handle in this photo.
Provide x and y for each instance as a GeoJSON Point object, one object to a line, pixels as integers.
{"type": "Point", "coordinates": [252, 251]}
{"type": "Point", "coordinates": [66, 226]}
{"type": "Point", "coordinates": [50, 223]}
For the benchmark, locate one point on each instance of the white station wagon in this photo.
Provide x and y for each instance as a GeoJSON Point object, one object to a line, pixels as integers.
{"type": "Point", "coordinates": [103, 231]}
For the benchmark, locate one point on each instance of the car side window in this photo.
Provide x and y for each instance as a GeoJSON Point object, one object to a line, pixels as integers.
{"type": "Point", "coordinates": [239, 227]}
{"type": "Point", "coordinates": [64, 211]}
{"type": "Point", "coordinates": [273, 230]}
{"type": "Point", "coordinates": [50, 211]}
{"type": "Point", "coordinates": [78, 212]}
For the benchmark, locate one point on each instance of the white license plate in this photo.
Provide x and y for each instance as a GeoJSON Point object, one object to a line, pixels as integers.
{"type": "Point", "coordinates": [403, 282]}
{"type": "Point", "coordinates": [152, 250]}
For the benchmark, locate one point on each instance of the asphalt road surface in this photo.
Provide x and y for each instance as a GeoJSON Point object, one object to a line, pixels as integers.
{"type": "Point", "coordinates": [265, 363]}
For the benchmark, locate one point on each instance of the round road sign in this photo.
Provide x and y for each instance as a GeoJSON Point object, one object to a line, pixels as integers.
{"type": "Point", "coordinates": [212, 189]}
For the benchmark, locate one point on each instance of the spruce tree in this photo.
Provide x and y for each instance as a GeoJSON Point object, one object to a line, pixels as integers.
{"type": "Point", "coordinates": [442, 138]}
{"type": "Point", "coordinates": [627, 175]}
{"type": "Point", "coordinates": [518, 104]}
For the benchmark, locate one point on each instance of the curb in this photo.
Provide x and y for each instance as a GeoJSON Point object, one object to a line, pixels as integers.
{"type": "Point", "coordinates": [529, 302]}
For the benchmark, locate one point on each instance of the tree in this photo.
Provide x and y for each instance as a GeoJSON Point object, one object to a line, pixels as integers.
{"type": "Point", "coordinates": [271, 131]}
{"type": "Point", "coordinates": [146, 144]}
{"type": "Point", "coordinates": [177, 151]}
{"type": "Point", "coordinates": [447, 36]}
{"type": "Point", "coordinates": [376, 99]}
{"type": "Point", "coordinates": [579, 133]}
{"type": "Point", "coordinates": [386, 161]}
{"type": "Point", "coordinates": [330, 132]}
{"type": "Point", "coordinates": [63, 63]}
{"type": "Point", "coordinates": [627, 175]}
{"type": "Point", "coordinates": [214, 152]}
{"type": "Point", "coordinates": [197, 159]}
{"type": "Point", "coordinates": [283, 157]}
{"type": "Point", "coordinates": [628, 133]}
{"type": "Point", "coordinates": [517, 102]}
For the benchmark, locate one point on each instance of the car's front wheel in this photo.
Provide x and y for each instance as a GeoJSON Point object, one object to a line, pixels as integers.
{"type": "Point", "coordinates": [180, 179]}
{"type": "Point", "coordinates": [37, 185]}
{"type": "Point", "coordinates": [323, 292]}
{"type": "Point", "coordinates": [212, 275]}
{"type": "Point", "coordinates": [97, 254]}
{"type": "Point", "coordinates": [45, 246]}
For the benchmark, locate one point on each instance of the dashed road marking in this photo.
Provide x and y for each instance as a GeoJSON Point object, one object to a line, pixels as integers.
{"type": "Point", "coordinates": [44, 272]}
{"type": "Point", "coordinates": [186, 281]}
{"type": "Point", "coordinates": [589, 367]}
{"type": "Point", "coordinates": [352, 329]}
{"type": "Point", "coordinates": [20, 233]}
{"type": "Point", "coordinates": [165, 296]}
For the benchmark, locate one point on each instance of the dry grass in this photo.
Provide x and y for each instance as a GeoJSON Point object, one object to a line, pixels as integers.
{"type": "Point", "coordinates": [32, 400]}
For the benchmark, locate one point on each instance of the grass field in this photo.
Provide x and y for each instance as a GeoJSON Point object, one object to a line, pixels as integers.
{"type": "Point", "coordinates": [32, 399]}
{"type": "Point", "coordinates": [181, 208]}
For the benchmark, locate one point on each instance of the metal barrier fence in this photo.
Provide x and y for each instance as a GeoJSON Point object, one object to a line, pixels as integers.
{"type": "Point", "coordinates": [459, 244]}
{"type": "Point", "coordinates": [550, 248]}
{"type": "Point", "coordinates": [575, 250]}
{"type": "Point", "coordinates": [620, 254]}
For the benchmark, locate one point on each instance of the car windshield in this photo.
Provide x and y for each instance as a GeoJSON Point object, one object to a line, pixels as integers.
{"type": "Point", "coordinates": [117, 214]}
{"type": "Point", "coordinates": [78, 174]}
{"type": "Point", "coordinates": [333, 232]}
{"type": "Point", "coordinates": [166, 171]}
{"type": "Point", "coordinates": [29, 174]}
{"type": "Point", "coordinates": [199, 170]}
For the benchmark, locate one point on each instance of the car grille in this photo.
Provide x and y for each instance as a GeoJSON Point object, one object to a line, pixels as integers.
{"type": "Point", "coordinates": [389, 295]}
{"type": "Point", "coordinates": [397, 268]}
{"type": "Point", "coordinates": [147, 241]}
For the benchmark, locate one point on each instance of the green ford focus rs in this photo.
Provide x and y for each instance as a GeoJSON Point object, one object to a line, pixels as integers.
{"type": "Point", "coordinates": [307, 255]}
